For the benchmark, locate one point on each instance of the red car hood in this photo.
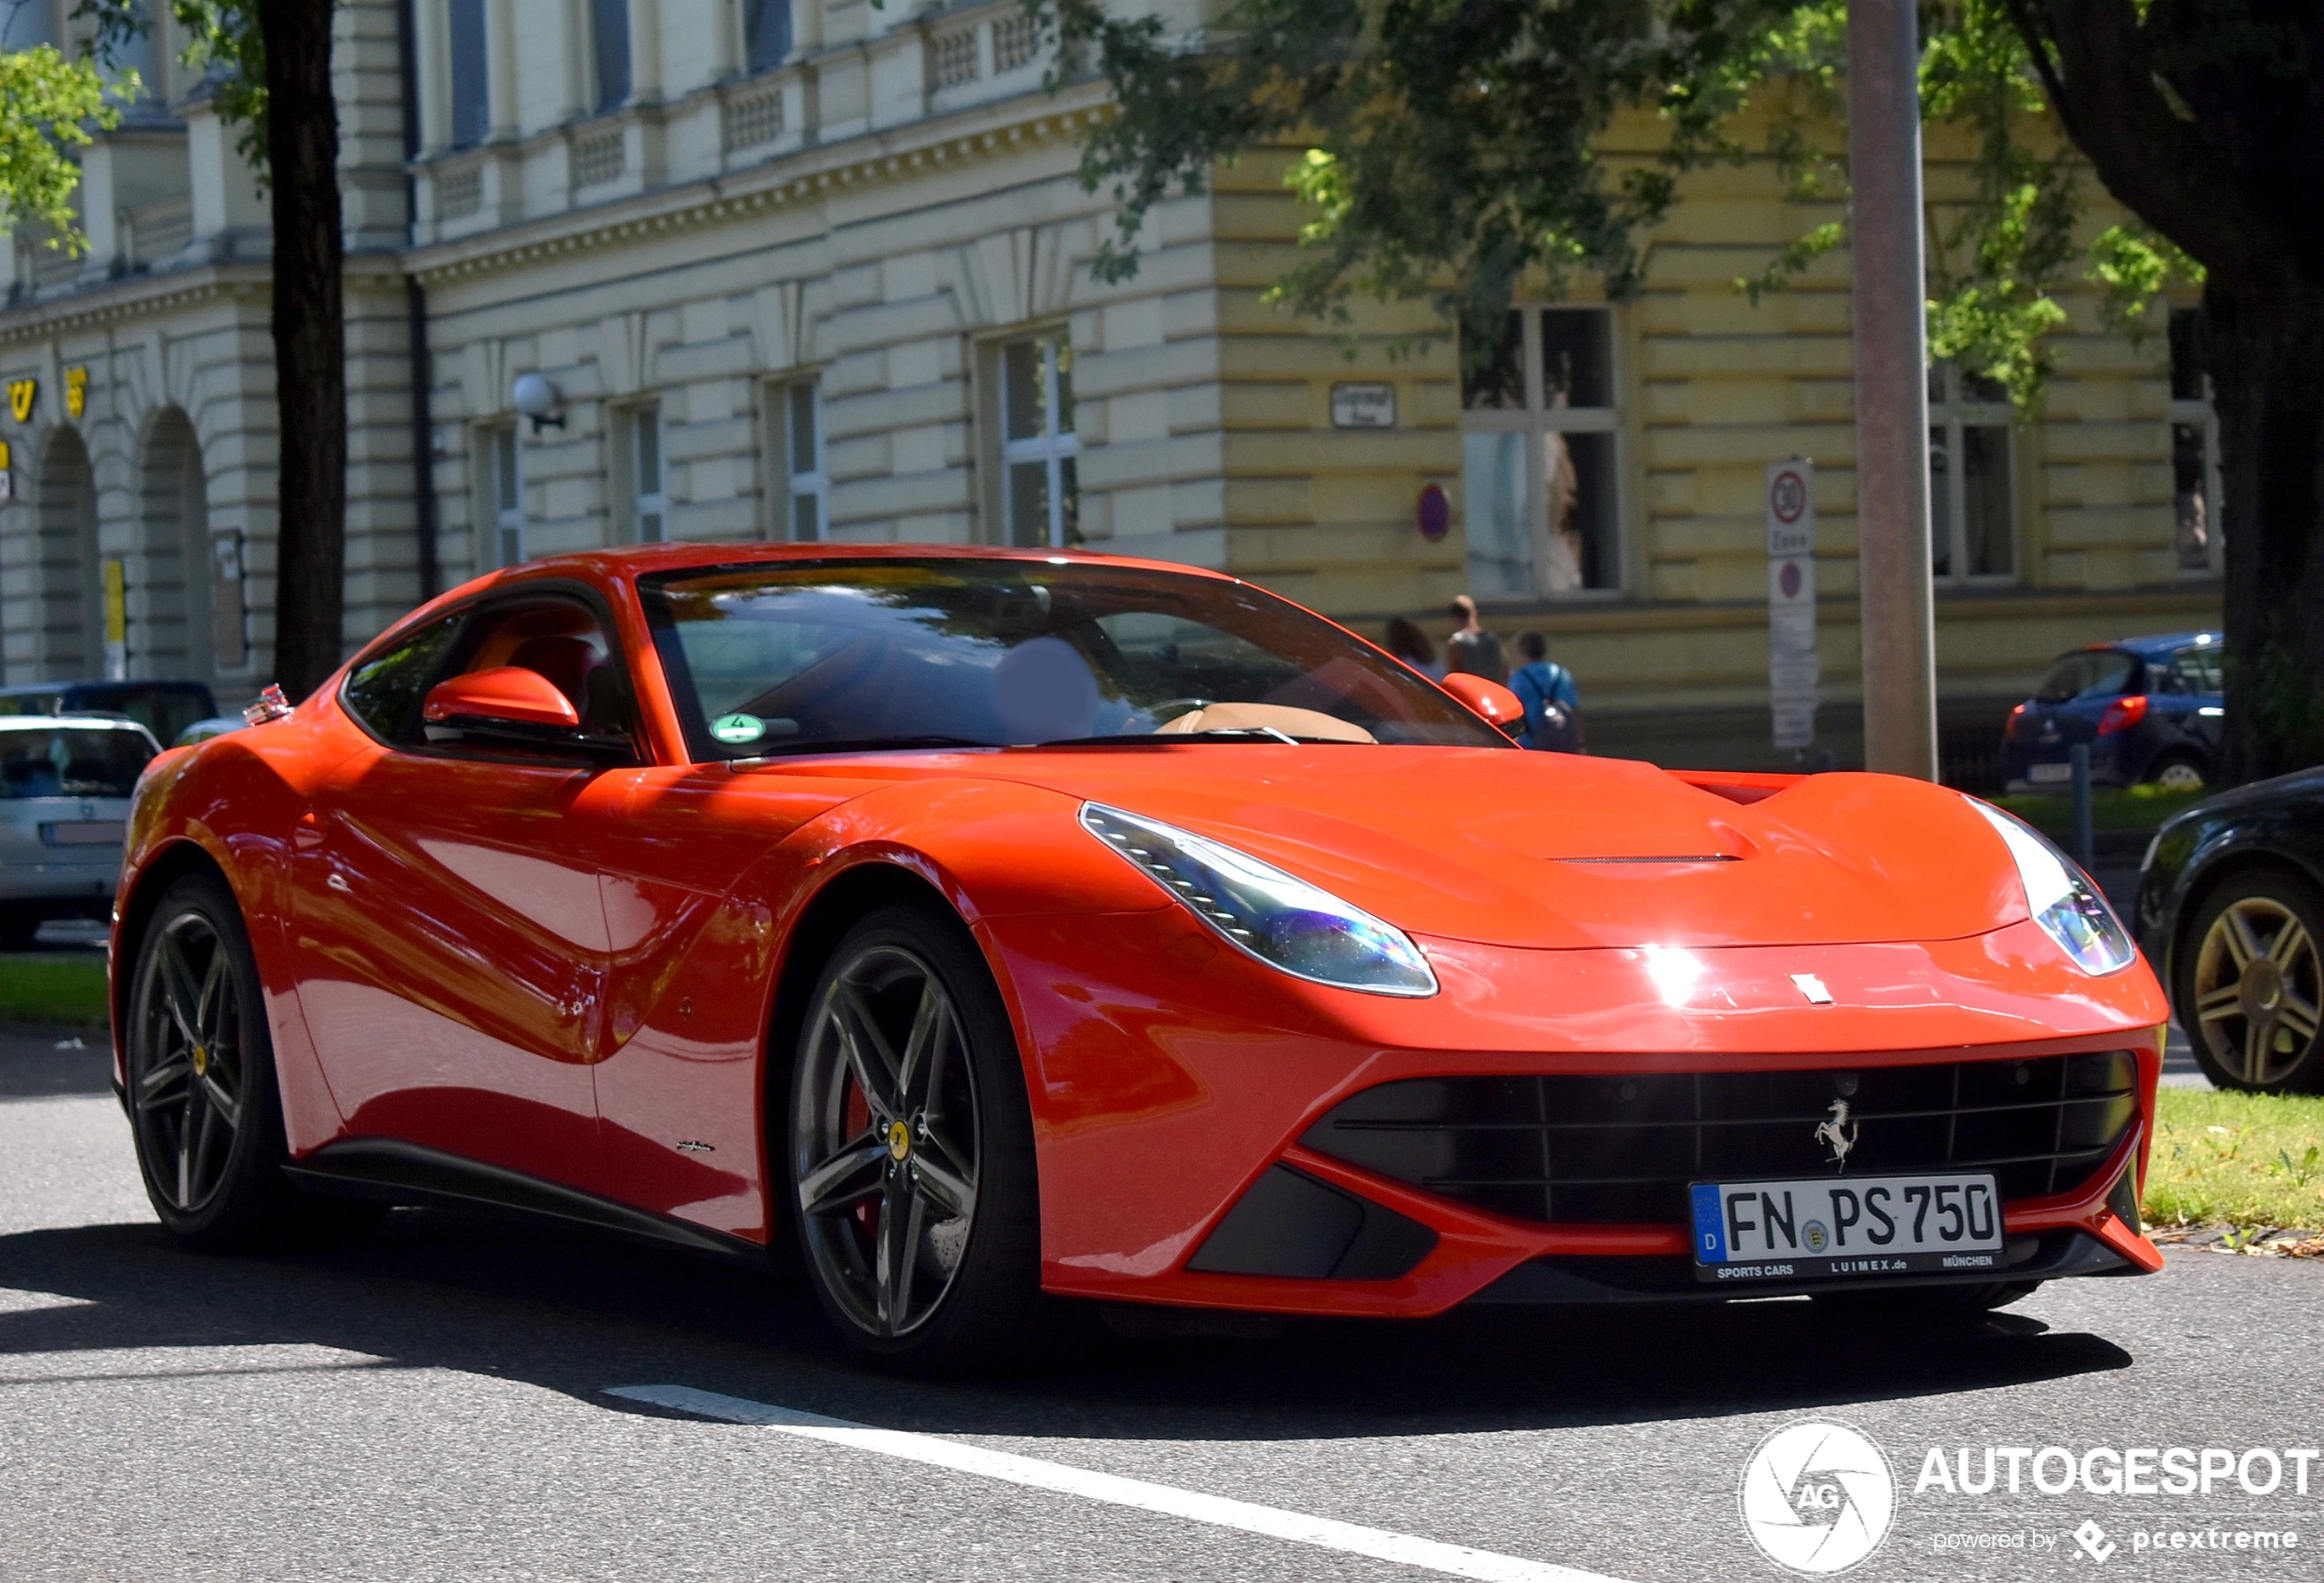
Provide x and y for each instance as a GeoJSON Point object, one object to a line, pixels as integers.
{"type": "Point", "coordinates": [1550, 851]}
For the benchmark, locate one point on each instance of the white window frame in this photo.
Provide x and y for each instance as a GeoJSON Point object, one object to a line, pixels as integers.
{"type": "Point", "coordinates": [503, 481]}
{"type": "Point", "coordinates": [648, 485]}
{"type": "Point", "coordinates": [1052, 446]}
{"type": "Point", "coordinates": [1536, 421]}
{"type": "Point", "coordinates": [2200, 413]}
{"type": "Point", "coordinates": [791, 482]}
{"type": "Point", "coordinates": [1954, 413]}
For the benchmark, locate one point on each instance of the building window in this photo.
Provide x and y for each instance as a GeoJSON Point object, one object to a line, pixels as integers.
{"type": "Point", "coordinates": [649, 500]}
{"type": "Point", "coordinates": [609, 52]}
{"type": "Point", "coordinates": [1973, 514]}
{"type": "Point", "coordinates": [1539, 461]}
{"type": "Point", "coordinates": [804, 505]}
{"type": "Point", "coordinates": [2194, 453]}
{"type": "Point", "coordinates": [766, 34]}
{"type": "Point", "coordinates": [1041, 496]}
{"type": "Point", "coordinates": [471, 95]}
{"type": "Point", "coordinates": [504, 491]}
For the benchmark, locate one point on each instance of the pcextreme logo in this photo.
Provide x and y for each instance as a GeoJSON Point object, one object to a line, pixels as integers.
{"type": "Point", "coordinates": [1817, 1498]}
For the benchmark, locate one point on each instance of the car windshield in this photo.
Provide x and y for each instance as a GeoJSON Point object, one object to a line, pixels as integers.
{"type": "Point", "coordinates": [69, 761]}
{"type": "Point", "coordinates": [2092, 674]}
{"type": "Point", "coordinates": [898, 653]}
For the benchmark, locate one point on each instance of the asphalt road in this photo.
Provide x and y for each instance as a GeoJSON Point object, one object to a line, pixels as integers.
{"type": "Point", "coordinates": [433, 1405]}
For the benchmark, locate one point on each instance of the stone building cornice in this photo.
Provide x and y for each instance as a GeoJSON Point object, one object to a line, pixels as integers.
{"type": "Point", "coordinates": [856, 164]}
{"type": "Point", "coordinates": [139, 296]}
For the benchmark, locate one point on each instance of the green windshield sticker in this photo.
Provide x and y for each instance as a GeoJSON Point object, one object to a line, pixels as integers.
{"type": "Point", "coordinates": [738, 727]}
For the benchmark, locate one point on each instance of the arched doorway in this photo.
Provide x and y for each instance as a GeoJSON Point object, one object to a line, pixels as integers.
{"type": "Point", "coordinates": [69, 618]}
{"type": "Point", "coordinates": [170, 616]}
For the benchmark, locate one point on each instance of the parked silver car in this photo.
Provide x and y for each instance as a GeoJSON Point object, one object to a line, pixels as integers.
{"type": "Point", "coordinates": [65, 783]}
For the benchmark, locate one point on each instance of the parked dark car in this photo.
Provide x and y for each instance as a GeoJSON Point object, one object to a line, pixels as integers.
{"type": "Point", "coordinates": [2149, 708]}
{"type": "Point", "coordinates": [164, 708]}
{"type": "Point", "coordinates": [2230, 906]}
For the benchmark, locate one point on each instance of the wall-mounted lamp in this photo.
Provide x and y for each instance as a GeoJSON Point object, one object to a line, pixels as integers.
{"type": "Point", "coordinates": [538, 399]}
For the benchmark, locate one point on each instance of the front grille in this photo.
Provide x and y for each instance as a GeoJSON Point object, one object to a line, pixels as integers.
{"type": "Point", "coordinates": [1622, 1150]}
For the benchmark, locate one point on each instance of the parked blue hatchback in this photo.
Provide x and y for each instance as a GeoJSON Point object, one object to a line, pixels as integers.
{"type": "Point", "coordinates": [2149, 708]}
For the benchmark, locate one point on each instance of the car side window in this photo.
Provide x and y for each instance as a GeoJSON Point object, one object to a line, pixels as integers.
{"type": "Point", "coordinates": [385, 692]}
{"type": "Point", "coordinates": [561, 640]}
{"type": "Point", "coordinates": [2198, 671]}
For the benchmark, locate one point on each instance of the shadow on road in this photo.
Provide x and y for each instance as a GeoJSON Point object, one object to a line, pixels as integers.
{"type": "Point", "coordinates": [443, 1291]}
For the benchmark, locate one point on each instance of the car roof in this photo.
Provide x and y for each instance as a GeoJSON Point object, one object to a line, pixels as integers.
{"type": "Point", "coordinates": [77, 722]}
{"type": "Point", "coordinates": [41, 689]}
{"type": "Point", "coordinates": [645, 560]}
{"type": "Point", "coordinates": [2156, 647]}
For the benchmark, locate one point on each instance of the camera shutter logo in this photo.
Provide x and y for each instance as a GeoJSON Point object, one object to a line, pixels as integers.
{"type": "Point", "coordinates": [1817, 1498]}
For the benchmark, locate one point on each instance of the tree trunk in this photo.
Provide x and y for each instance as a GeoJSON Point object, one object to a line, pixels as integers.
{"type": "Point", "coordinates": [310, 342]}
{"type": "Point", "coordinates": [2263, 345]}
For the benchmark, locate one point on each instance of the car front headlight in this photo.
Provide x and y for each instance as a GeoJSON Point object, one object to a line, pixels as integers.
{"type": "Point", "coordinates": [1278, 917]}
{"type": "Point", "coordinates": [2062, 899]}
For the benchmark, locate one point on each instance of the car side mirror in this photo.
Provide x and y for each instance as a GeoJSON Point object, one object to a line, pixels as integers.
{"type": "Point", "coordinates": [510, 695]}
{"type": "Point", "coordinates": [513, 707]}
{"type": "Point", "coordinates": [1497, 703]}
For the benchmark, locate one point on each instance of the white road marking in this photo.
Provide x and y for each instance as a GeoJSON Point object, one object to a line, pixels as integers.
{"type": "Point", "coordinates": [1453, 1560]}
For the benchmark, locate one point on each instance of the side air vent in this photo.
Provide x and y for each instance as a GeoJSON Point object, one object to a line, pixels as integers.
{"type": "Point", "coordinates": [1289, 1223]}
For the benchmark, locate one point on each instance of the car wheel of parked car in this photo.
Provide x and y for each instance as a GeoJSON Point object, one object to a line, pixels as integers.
{"type": "Point", "coordinates": [203, 1105]}
{"type": "Point", "coordinates": [2178, 772]}
{"type": "Point", "coordinates": [17, 930]}
{"type": "Point", "coordinates": [2250, 983]}
{"type": "Point", "coordinates": [910, 1149]}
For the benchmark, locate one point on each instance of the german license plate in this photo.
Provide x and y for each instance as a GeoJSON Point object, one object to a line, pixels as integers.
{"type": "Point", "coordinates": [85, 833]}
{"type": "Point", "coordinates": [2043, 773]}
{"type": "Point", "coordinates": [1846, 1226]}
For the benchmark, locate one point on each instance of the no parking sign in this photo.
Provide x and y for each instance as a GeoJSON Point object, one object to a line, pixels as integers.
{"type": "Point", "coordinates": [1793, 670]}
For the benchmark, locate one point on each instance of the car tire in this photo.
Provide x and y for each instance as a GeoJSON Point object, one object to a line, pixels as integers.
{"type": "Point", "coordinates": [2179, 773]}
{"type": "Point", "coordinates": [907, 1107]}
{"type": "Point", "coordinates": [2247, 983]}
{"type": "Point", "coordinates": [17, 930]}
{"type": "Point", "coordinates": [204, 1108]}
{"type": "Point", "coordinates": [1923, 1307]}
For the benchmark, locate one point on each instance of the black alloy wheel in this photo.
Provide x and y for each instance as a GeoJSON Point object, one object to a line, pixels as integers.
{"type": "Point", "coordinates": [199, 1067]}
{"type": "Point", "coordinates": [910, 1149]}
{"type": "Point", "coordinates": [2250, 983]}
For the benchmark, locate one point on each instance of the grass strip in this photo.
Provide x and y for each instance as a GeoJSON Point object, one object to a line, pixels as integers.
{"type": "Point", "coordinates": [53, 988]}
{"type": "Point", "coordinates": [2248, 1160]}
{"type": "Point", "coordinates": [2134, 809]}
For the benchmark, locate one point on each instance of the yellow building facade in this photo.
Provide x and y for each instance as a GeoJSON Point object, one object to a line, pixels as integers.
{"type": "Point", "coordinates": [823, 272]}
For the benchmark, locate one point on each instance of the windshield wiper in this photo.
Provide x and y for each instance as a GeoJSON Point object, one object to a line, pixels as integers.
{"type": "Point", "coordinates": [795, 748]}
{"type": "Point", "coordinates": [1217, 734]}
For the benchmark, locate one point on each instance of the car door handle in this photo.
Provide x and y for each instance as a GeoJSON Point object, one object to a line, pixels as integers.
{"type": "Point", "coordinates": [307, 834]}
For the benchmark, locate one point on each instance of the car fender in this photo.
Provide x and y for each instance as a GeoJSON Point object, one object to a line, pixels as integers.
{"type": "Point", "coordinates": [234, 799]}
{"type": "Point", "coordinates": [2219, 852]}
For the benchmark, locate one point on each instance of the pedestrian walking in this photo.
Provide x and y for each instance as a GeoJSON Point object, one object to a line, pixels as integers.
{"type": "Point", "coordinates": [1410, 644]}
{"type": "Point", "coordinates": [1552, 703]}
{"type": "Point", "coordinates": [1471, 649]}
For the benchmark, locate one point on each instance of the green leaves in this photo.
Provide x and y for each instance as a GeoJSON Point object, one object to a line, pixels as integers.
{"type": "Point", "coordinates": [224, 42]}
{"type": "Point", "coordinates": [47, 104]}
{"type": "Point", "coordinates": [1450, 149]}
{"type": "Point", "coordinates": [1452, 145]}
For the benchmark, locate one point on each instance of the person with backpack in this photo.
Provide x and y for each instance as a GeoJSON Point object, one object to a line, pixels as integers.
{"type": "Point", "coordinates": [1552, 703]}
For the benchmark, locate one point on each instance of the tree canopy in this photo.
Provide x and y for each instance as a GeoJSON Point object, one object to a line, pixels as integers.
{"type": "Point", "coordinates": [1454, 151]}
{"type": "Point", "coordinates": [48, 104]}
